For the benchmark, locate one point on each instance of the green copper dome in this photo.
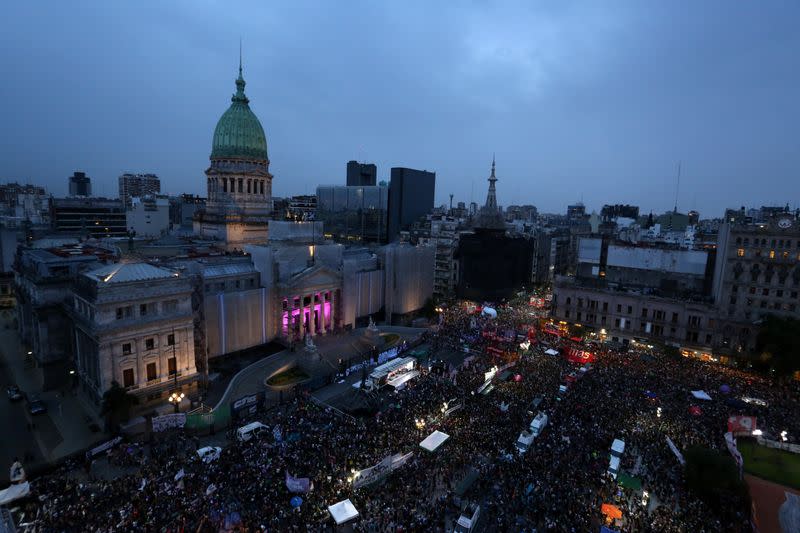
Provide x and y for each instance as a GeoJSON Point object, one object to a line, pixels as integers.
{"type": "Point", "coordinates": [239, 134]}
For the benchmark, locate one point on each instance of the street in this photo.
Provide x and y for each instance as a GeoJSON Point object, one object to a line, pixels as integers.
{"type": "Point", "coordinates": [18, 439]}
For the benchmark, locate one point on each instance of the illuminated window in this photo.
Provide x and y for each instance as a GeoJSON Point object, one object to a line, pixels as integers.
{"type": "Point", "coordinates": [772, 254]}
{"type": "Point", "coordinates": [740, 252]}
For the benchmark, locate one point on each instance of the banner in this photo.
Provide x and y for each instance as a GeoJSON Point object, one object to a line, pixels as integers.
{"type": "Point", "coordinates": [741, 424]}
{"type": "Point", "coordinates": [676, 451]}
{"type": "Point", "coordinates": [730, 442]}
{"type": "Point", "coordinates": [297, 484]}
{"type": "Point", "coordinates": [580, 357]}
{"type": "Point", "coordinates": [246, 405]}
{"type": "Point", "coordinates": [375, 473]}
{"type": "Point", "coordinates": [165, 422]}
{"type": "Point", "coordinates": [103, 447]}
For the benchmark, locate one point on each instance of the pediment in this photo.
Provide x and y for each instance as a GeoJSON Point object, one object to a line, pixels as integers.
{"type": "Point", "coordinates": [314, 277]}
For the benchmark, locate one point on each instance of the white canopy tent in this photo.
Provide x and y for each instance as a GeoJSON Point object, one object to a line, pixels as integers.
{"type": "Point", "coordinates": [618, 447]}
{"type": "Point", "coordinates": [343, 511]}
{"type": "Point", "coordinates": [701, 395]}
{"type": "Point", "coordinates": [433, 441]}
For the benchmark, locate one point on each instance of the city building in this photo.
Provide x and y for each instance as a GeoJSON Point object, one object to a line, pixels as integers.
{"type": "Point", "coordinates": [182, 210]}
{"type": "Point", "coordinates": [361, 174]}
{"type": "Point", "coordinates": [625, 316]}
{"type": "Point", "coordinates": [43, 280]}
{"type": "Point", "coordinates": [133, 326]}
{"type": "Point", "coordinates": [411, 196]}
{"type": "Point", "coordinates": [80, 184]}
{"type": "Point", "coordinates": [148, 216]}
{"type": "Point", "coordinates": [757, 273]}
{"type": "Point", "coordinates": [409, 278]}
{"type": "Point", "coordinates": [301, 207]}
{"type": "Point", "coordinates": [8, 253]}
{"type": "Point", "coordinates": [96, 217]}
{"type": "Point", "coordinates": [23, 204]}
{"type": "Point", "coordinates": [238, 180]}
{"type": "Point", "coordinates": [627, 292]}
{"type": "Point", "coordinates": [354, 213]}
{"type": "Point", "coordinates": [138, 185]}
{"type": "Point", "coordinates": [492, 264]}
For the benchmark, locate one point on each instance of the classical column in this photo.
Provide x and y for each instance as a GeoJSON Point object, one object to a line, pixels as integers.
{"type": "Point", "coordinates": [322, 313]}
{"type": "Point", "coordinates": [333, 309]}
{"type": "Point", "coordinates": [312, 321]}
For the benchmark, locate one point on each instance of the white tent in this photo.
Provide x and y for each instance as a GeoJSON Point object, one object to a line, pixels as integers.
{"type": "Point", "coordinates": [701, 395]}
{"type": "Point", "coordinates": [618, 447]}
{"type": "Point", "coordinates": [434, 440]}
{"type": "Point", "coordinates": [342, 511]}
{"type": "Point", "coordinates": [14, 492]}
{"type": "Point", "coordinates": [489, 311]}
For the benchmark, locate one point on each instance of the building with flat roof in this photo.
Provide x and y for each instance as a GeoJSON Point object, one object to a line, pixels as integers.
{"type": "Point", "coordinates": [133, 326]}
{"type": "Point", "coordinates": [80, 184]}
{"type": "Point", "coordinates": [411, 196]}
{"type": "Point", "coordinates": [354, 213]}
{"type": "Point", "coordinates": [96, 217]}
{"type": "Point", "coordinates": [137, 185]}
{"type": "Point", "coordinates": [361, 174]}
{"type": "Point", "coordinates": [757, 273]}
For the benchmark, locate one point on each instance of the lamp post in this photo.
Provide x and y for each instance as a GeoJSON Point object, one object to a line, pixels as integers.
{"type": "Point", "coordinates": [175, 399]}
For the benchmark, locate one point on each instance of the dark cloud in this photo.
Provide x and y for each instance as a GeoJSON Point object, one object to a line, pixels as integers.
{"type": "Point", "coordinates": [592, 100]}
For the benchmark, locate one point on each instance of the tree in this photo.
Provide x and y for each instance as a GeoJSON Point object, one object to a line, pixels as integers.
{"type": "Point", "coordinates": [429, 309]}
{"type": "Point", "coordinates": [778, 345]}
{"type": "Point", "coordinates": [117, 403]}
{"type": "Point", "coordinates": [712, 475]}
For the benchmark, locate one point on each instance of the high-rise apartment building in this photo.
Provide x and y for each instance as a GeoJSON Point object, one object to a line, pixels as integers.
{"type": "Point", "coordinates": [411, 195]}
{"type": "Point", "coordinates": [138, 185]}
{"type": "Point", "coordinates": [361, 174]}
{"type": "Point", "coordinates": [80, 184]}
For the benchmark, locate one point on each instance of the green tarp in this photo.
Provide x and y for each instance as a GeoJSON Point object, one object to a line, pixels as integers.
{"type": "Point", "coordinates": [629, 482]}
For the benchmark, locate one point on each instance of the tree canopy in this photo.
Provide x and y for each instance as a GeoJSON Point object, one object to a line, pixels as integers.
{"type": "Point", "coordinates": [778, 345]}
{"type": "Point", "coordinates": [117, 403]}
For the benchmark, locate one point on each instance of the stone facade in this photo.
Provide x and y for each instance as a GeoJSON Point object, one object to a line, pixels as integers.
{"type": "Point", "coordinates": [133, 325]}
{"type": "Point", "coordinates": [757, 273]}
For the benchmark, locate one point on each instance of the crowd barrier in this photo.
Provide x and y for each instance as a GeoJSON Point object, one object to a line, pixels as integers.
{"type": "Point", "coordinates": [793, 448]}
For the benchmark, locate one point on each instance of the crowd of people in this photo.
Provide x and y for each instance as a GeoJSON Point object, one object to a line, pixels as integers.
{"type": "Point", "coordinates": [559, 484]}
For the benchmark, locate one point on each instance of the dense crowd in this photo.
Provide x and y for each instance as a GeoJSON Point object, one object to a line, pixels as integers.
{"type": "Point", "coordinates": [558, 485]}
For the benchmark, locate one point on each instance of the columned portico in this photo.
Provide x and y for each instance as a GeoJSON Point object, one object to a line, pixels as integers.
{"type": "Point", "coordinates": [307, 303]}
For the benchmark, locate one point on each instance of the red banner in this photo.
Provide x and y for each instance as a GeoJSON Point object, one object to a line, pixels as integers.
{"type": "Point", "coordinates": [580, 357]}
{"type": "Point", "coordinates": [741, 424]}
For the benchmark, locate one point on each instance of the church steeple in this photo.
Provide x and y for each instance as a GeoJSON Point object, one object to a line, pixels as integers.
{"type": "Point", "coordinates": [490, 217]}
{"type": "Point", "coordinates": [491, 197]}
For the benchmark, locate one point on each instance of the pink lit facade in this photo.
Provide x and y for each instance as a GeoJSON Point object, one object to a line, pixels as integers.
{"type": "Point", "coordinates": [313, 313]}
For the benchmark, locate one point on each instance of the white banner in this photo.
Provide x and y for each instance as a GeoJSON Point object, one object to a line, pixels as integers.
{"type": "Point", "coordinates": [676, 451]}
{"type": "Point", "coordinates": [103, 447]}
{"type": "Point", "coordinates": [379, 471]}
{"type": "Point", "coordinates": [731, 443]}
{"type": "Point", "coordinates": [165, 422]}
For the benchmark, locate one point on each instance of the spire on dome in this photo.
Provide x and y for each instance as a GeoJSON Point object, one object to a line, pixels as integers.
{"type": "Point", "coordinates": [240, 83]}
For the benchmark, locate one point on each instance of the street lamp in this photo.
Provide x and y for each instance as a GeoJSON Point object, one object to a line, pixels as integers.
{"type": "Point", "coordinates": [175, 399]}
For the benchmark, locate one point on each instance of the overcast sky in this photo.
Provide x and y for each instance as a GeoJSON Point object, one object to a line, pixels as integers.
{"type": "Point", "coordinates": [594, 100]}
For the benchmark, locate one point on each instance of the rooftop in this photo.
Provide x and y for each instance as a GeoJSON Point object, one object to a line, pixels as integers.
{"type": "Point", "coordinates": [129, 272]}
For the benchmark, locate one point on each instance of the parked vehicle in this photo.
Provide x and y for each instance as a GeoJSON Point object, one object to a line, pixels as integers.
{"type": "Point", "coordinates": [209, 454]}
{"type": "Point", "coordinates": [538, 424]}
{"type": "Point", "coordinates": [253, 429]}
{"type": "Point", "coordinates": [14, 394]}
{"type": "Point", "coordinates": [36, 406]}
